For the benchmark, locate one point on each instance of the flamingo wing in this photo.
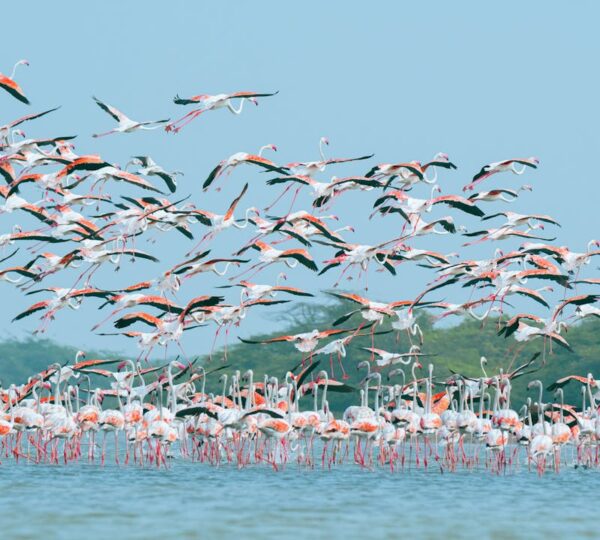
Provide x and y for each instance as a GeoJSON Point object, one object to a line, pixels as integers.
{"type": "Point", "coordinates": [138, 316]}
{"type": "Point", "coordinates": [13, 89]}
{"type": "Point", "coordinates": [109, 109]}
{"type": "Point", "coordinates": [302, 256]}
{"type": "Point", "coordinates": [456, 201]}
{"type": "Point", "coordinates": [38, 306]}
{"type": "Point", "coordinates": [235, 202]}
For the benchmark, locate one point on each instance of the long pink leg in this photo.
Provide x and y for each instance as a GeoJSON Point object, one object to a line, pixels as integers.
{"type": "Point", "coordinates": [267, 208]}
{"type": "Point", "coordinates": [342, 274]}
{"type": "Point", "coordinates": [183, 121]}
{"type": "Point", "coordinates": [237, 276]}
{"type": "Point", "coordinates": [205, 237]}
{"type": "Point", "coordinates": [293, 201]}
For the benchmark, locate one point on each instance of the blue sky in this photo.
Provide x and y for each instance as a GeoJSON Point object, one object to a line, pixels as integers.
{"type": "Point", "coordinates": [404, 80]}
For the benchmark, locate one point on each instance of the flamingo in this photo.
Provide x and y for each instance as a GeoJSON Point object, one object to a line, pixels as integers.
{"type": "Point", "coordinates": [502, 166]}
{"type": "Point", "coordinates": [305, 342]}
{"type": "Point", "coordinates": [386, 358]}
{"type": "Point", "coordinates": [227, 165]}
{"type": "Point", "coordinates": [506, 195]}
{"type": "Point", "coordinates": [209, 103]}
{"type": "Point", "coordinates": [571, 261]}
{"type": "Point", "coordinates": [504, 232]}
{"type": "Point", "coordinates": [270, 255]}
{"type": "Point", "coordinates": [195, 265]}
{"type": "Point", "coordinates": [322, 192]}
{"type": "Point", "coordinates": [8, 83]}
{"type": "Point", "coordinates": [254, 291]}
{"type": "Point", "coordinates": [150, 168]}
{"type": "Point", "coordinates": [5, 130]}
{"type": "Point", "coordinates": [217, 222]}
{"type": "Point", "coordinates": [406, 205]}
{"type": "Point", "coordinates": [126, 124]}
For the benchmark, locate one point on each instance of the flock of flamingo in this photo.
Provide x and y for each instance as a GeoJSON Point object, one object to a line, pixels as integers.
{"type": "Point", "coordinates": [157, 410]}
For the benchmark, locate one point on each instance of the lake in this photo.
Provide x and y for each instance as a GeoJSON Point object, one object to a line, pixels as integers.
{"type": "Point", "coordinates": [193, 500]}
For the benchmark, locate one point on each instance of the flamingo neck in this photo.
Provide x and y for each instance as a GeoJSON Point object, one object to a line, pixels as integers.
{"type": "Point", "coordinates": [232, 108]}
{"type": "Point", "coordinates": [263, 148]}
{"type": "Point", "coordinates": [323, 158]}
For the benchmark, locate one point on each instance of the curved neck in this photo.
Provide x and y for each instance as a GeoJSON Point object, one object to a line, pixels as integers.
{"type": "Point", "coordinates": [321, 150]}
{"type": "Point", "coordinates": [232, 108]}
{"type": "Point", "coordinates": [263, 148]}
{"type": "Point", "coordinates": [172, 389]}
{"type": "Point", "coordinates": [224, 386]}
{"type": "Point", "coordinates": [250, 398]}
{"type": "Point", "coordinates": [324, 396]}
{"type": "Point", "coordinates": [14, 70]}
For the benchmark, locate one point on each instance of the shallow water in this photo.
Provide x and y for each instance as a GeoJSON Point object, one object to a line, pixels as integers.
{"type": "Point", "coordinates": [192, 500]}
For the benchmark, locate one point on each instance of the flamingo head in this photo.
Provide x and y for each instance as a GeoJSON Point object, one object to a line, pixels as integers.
{"type": "Point", "coordinates": [272, 147]}
{"type": "Point", "coordinates": [526, 187]}
{"type": "Point", "coordinates": [253, 100]}
{"type": "Point", "coordinates": [122, 365]}
{"type": "Point", "coordinates": [324, 140]}
{"type": "Point", "coordinates": [19, 132]}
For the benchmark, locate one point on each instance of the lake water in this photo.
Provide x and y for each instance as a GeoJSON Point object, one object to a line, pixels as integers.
{"type": "Point", "coordinates": [193, 500]}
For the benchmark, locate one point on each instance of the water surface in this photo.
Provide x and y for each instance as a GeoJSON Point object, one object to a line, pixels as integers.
{"type": "Point", "coordinates": [192, 500]}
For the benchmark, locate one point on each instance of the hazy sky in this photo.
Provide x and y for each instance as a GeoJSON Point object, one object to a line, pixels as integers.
{"type": "Point", "coordinates": [401, 79]}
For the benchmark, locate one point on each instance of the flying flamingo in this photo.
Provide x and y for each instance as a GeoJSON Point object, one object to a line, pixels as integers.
{"type": "Point", "coordinates": [307, 169]}
{"type": "Point", "coordinates": [227, 165]}
{"type": "Point", "coordinates": [150, 168]}
{"type": "Point", "coordinates": [305, 342]}
{"type": "Point", "coordinates": [209, 103]}
{"type": "Point", "coordinates": [506, 195]}
{"type": "Point", "coordinates": [322, 192]}
{"type": "Point", "coordinates": [502, 233]}
{"type": "Point", "coordinates": [195, 265]}
{"type": "Point", "coordinates": [269, 255]}
{"type": "Point", "coordinates": [217, 222]}
{"type": "Point", "coordinates": [406, 205]}
{"type": "Point", "coordinates": [8, 84]}
{"type": "Point", "coordinates": [126, 124]}
{"type": "Point", "coordinates": [254, 291]}
{"type": "Point", "coordinates": [386, 358]}
{"type": "Point", "coordinates": [515, 219]}
{"type": "Point", "coordinates": [5, 130]}
{"type": "Point", "coordinates": [502, 166]}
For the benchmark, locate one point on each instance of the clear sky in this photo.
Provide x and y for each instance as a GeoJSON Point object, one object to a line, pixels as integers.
{"type": "Point", "coordinates": [480, 81]}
